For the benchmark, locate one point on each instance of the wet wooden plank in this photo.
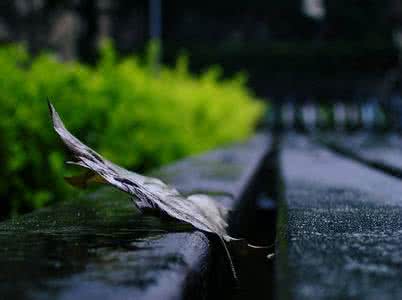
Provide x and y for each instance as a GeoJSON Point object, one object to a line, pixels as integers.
{"type": "Point", "coordinates": [99, 246]}
{"type": "Point", "coordinates": [341, 227]}
{"type": "Point", "coordinates": [381, 151]}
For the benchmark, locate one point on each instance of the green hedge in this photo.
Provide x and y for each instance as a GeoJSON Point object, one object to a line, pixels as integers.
{"type": "Point", "coordinates": [119, 107]}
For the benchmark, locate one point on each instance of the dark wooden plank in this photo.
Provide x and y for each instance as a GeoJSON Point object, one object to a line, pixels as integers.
{"type": "Point", "coordinates": [341, 231]}
{"type": "Point", "coordinates": [383, 152]}
{"type": "Point", "coordinates": [98, 246]}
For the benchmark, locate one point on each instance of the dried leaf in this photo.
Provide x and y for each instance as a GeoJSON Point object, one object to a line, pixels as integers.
{"type": "Point", "coordinates": [201, 211]}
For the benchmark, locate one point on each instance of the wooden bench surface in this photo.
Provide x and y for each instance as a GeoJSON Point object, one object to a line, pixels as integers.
{"type": "Point", "coordinates": [381, 151]}
{"type": "Point", "coordinates": [99, 247]}
{"type": "Point", "coordinates": [341, 234]}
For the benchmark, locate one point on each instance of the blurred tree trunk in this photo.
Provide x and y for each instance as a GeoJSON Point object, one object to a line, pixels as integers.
{"type": "Point", "coordinates": [87, 42]}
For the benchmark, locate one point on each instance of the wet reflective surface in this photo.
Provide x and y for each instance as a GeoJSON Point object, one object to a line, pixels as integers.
{"type": "Point", "coordinates": [100, 247]}
{"type": "Point", "coordinates": [102, 243]}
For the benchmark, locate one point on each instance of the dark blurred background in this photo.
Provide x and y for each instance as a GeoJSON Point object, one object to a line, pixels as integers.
{"type": "Point", "coordinates": [329, 49]}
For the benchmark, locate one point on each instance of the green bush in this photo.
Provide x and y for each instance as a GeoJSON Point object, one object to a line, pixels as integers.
{"type": "Point", "coordinates": [120, 107]}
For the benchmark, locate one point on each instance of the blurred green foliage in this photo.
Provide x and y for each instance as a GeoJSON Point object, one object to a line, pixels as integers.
{"type": "Point", "coordinates": [120, 107]}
